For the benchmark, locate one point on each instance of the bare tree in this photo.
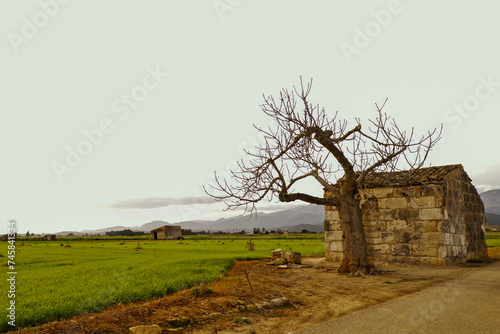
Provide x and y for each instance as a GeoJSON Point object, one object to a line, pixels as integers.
{"type": "Point", "coordinates": [305, 142]}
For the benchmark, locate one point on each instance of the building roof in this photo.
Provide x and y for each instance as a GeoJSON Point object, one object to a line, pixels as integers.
{"type": "Point", "coordinates": [421, 176]}
{"type": "Point", "coordinates": [164, 227]}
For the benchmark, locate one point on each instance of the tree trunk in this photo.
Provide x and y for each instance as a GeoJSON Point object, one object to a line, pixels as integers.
{"type": "Point", "coordinates": [354, 241]}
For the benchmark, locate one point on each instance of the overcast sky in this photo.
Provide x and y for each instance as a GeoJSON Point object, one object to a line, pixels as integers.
{"type": "Point", "coordinates": [118, 112]}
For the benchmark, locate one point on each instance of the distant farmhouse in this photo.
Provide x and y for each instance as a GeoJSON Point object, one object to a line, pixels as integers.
{"type": "Point", "coordinates": [49, 237]}
{"type": "Point", "coordinates": [166, 233]}
{"type": "Point", "coordinates": [430, 216]}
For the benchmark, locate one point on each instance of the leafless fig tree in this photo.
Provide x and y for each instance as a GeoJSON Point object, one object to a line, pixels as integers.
{"type": "Point", "coordinates": [305, 142]}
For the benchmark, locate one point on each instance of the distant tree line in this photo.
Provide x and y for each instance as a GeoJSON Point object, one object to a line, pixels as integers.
{"type": "Point", "coordinates": [126, 232]}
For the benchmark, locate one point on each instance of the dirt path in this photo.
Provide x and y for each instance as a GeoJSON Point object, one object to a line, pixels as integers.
{"type": "Point", "coordinates": [314, 293]}
{"type": "Point", "coordinates": [462, 305]}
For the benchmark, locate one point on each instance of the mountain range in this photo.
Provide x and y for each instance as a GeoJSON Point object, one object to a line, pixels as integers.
{"type": "Point", "coordinates": [296, 219]}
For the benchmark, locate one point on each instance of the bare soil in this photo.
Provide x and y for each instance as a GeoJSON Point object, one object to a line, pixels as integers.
{"type": "Point", "coordinates": [314, 293]}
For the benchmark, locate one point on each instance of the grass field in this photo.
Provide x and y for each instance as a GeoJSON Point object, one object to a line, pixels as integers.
{"type": "Point", "coordinates": [493, 239]}
{"type": "Point", "coordinates": [63, 278]}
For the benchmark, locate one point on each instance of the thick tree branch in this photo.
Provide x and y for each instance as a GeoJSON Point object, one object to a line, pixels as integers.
{"type": "Point", "coordinates": [304, 141]}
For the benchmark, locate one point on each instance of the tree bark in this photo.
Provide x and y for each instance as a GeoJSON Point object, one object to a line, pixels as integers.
{"type": "Point", "coordinates": [355, 258]}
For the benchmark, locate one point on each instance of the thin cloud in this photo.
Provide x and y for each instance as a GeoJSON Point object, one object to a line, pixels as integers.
{"type": "Point", "coordinates": [158, 202]}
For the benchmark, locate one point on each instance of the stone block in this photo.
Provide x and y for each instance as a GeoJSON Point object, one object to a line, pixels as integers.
{"type": "Point", "coordinates": [387, 236]}
{"type": "Point", "coordinates": [397, 225]}
{"type": "Point", "coordinates": [424, 250]}
{"type": "Point", "coordinates": [381, 248]}
{"type": "Point", "coordinates": [275, 254]}
{"type": "Point", "coordinates": [393, 203]}
{"type": "Point", "coordinates": [380, 192]}
{"type": "Point", "coordinates": [292, 257]}
{"type": "Point", "coordinates": [423, 202]}
{"type": "Point", "coordinates": [336, 235]}
{"type": "Point", "coordinates": [334, 256]}
{"type": "Point", "coordinates": [327, 225]}
{"type": "Point", "coordinates": [436, 238]}
{"type": "Point", "coordinates": [388, 214]}
{"type": "Point", "coordinates": [335, 246]}
{"type": "Point", "coordinates": [442, 251]}
{"type": "Point", "coordinates": [448, 238]}
{"type": "Point", "coordinates": [153, 329]}
{"type": "Point", "coordinates": [407, 213]}
{"type": "Point", "coordinates": [332, 215]}
{"type": "Point", "coordinates": [444, 226]}
{"type": "Point", "coordinates": [431, 214]}
{"type": "Point", "coordinates": [425, 226]}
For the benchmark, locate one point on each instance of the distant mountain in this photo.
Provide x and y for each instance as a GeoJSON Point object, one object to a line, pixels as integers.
{"type": "Point", "coordinates": [150, 226]}
{"type": "Point", "coordinates": [491, 200]}
{"type": "Point", "coordinates": [492, 219]}
{"type": "Point", "coordinates": [309, 217]}
{"type": "Point", "coordinates": [305, 214]}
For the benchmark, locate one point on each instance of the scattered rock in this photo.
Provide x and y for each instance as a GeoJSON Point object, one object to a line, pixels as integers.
{"type": "Point", "coordinates": [292, 257]}
{"type": "Point", "coordinates": [278, 257]}
{"type": "Point", "coordinates": [179, 322]}
{"type": "Point", "coordinates": [153, 329]}
{"type": "Point", "coordinates": [251, 308]}
{"type": "Point", "coordinates": [276, 254]}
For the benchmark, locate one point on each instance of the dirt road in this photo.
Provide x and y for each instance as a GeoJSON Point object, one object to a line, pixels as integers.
{"type": "Point", "coordinates": [468, 304]}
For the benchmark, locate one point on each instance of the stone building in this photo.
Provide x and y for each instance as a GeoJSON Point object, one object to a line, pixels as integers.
{"type": "Point", "coordinates": [430, 216]}
{"type": "Point", "coordinates": [49, 237]}
{"type": "Point", "coordinates": [165, 233]}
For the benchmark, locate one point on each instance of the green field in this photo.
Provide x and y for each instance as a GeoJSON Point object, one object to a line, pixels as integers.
{"type": "Point", "coordinates": [493, 239]}
{"type": "Point", "coordinates": [55, 281]}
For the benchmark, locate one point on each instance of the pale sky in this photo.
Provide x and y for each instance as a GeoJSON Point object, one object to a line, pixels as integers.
{"type": "Point", "coordinates": [118, 112]}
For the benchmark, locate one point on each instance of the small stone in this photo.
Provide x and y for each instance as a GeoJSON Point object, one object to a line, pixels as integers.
{"type": "Point", "coordinates": [153, 329]}
{"type": "Point", "coordinates": [251, 308]}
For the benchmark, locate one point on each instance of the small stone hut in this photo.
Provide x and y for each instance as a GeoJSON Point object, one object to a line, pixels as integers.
{"type": "Point", "coordinates": [165, 233]}
{"type": "Point", "coordinates": [49, 237]}
{"type": "Point", "coordinates": [429, 216]}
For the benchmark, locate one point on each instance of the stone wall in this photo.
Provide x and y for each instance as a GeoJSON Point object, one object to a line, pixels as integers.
{"type": "Point", "coordinates": [166, 232]}
{"type": "Point", "coordinates": [427, 224]}
{"type": "Point", "coordinates": [466, 217]}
